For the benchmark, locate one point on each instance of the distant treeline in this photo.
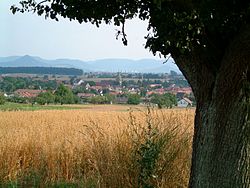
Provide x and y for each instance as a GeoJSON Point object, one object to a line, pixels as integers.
{"type": "Point", "coordinates": [41, 70]}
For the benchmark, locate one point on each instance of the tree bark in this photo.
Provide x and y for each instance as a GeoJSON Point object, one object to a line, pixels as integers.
{"type": "Point", "coordinates": [221, 144]}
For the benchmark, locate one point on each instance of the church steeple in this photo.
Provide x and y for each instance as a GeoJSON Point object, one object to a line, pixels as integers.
{"type": "Point", "coordinates": [119, 78]}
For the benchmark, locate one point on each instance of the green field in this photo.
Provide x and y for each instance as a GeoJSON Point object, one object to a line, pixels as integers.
{"type": "Point", "coordinates": [29, 107]}
{"type": "Point", "coordinates": [8, 106]}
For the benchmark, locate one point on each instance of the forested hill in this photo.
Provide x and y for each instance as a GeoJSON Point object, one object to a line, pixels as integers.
{"type": "Point", "coordinates": [41, 70]}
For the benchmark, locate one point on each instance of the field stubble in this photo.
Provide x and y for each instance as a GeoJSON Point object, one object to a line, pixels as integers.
{"type": "Point", "coordinates": [150, 148]}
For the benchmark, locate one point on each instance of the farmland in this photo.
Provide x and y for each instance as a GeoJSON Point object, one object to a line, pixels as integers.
{"type": "Point", "coordinates": [96, 146]}
{"type": "Point", "coordinates": [9, 106]}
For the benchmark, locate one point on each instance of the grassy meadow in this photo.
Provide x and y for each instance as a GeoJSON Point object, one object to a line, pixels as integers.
{"type": "Point", "coordinates": [102, 146]}
{"type": "Point", "coordinates": [9, 106]}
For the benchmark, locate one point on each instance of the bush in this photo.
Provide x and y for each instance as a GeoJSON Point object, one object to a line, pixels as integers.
{"type": "Point", "coordinates": [17, 99]}
{"type": "Point", "coordinates": [166, 100]}
{"type": "Point", "coordinates": [45, 98]}
{"type": "Point", "coordinates": [134, 99]}
{"type": "Point", "coordinates": [64, 95]}
{"type": "Point", "coordinates": [2, 99]}
{"type": "Point", "coordinates": [106, 99]}
{"type": "Point", "coordinates": [157, 151]}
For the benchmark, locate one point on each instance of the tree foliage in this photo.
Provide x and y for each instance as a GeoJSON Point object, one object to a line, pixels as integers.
{"type": "Point", "coordinates": [166, 100]}
{"type": "Point", "coordinates": [134, 99]}
{"type": "Point", "coordinates": [177, 27]}
{"type": "Point", "coordinates": [17, 99]}
{"type": "Point", "coordinates": [105, 99]}
{"type": "Point", "coordinates": [64, 95]}
{"type": "Point", "coordinates": [2, 99]}
{"type": "Point", "coordinates": [45, 98]}
{"type": "Point", "coordinates": [10, 84]}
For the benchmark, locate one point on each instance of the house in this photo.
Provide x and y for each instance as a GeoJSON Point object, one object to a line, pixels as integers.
{"type": "Point", "coordinates": [155, 85]}
{"type": "Point", "coordinates": [80, 82]}
{"type": "Point", "coordinates": [180, 95]}
{"type": "Point", "coordinates": [96, 88]}
{"type": "Point", "coordinates": [87, 86]}
{"type": "Point", "coordinates": [121, 100]}
{"type": "Point", "coordinates": [85, 95]}
{"type": "Point", "coordinates": [160, 91]}
{"type": "Point", "coordinates": [114, 93]}
{"type": "Point", "coordinates": [103, 84]}
{"type": "Point", "coordinates": [28, 93]}
{"type": "Point", "coordinates": [185, 102]}
{"type": "Point", "coordinates": [175, 90]}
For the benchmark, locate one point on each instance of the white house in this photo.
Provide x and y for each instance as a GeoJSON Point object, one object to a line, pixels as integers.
{"type": "Point", "coordinates": [185, 102]}
{"type": "Point", "coordinates": [79, 83]}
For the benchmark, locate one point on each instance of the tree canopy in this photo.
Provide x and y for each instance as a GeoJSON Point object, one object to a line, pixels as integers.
{"type": "Point", "coordinates": [2, 99]}
{"type": "Point", "coordinates": [175, 26]}
{"type": "Point", "coordinates": [167, 100]}
{"type": "Point", "coordinates": [134, 99]}
{"type": "Point", "coordinates": [45, 98]}
{"type": "Point", "coordinates": [64, 95]}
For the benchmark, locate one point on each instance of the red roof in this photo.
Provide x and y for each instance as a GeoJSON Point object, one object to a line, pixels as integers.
{"type": "Point", "coordinates": [175, 90]}
{"type": "Point", "coordinates": [85, 95]}
{"type": "Point", "coordinates": [96, 87]}
{"type": "Point", "coordinates": [29, 93]}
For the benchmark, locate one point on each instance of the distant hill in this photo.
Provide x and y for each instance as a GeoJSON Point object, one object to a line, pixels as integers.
{"type": "Point", "coordinates": [102, 65]}
{"type": "Point", "coordinates": [10, 58]}
{"type": "Point", "coordinates": [23, 61]}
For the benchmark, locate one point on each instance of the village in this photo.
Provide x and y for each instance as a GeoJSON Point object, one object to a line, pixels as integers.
{"type": "Point", "coordinates": [99, 88]}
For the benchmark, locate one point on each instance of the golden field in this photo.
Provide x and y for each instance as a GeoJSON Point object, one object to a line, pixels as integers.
{"type": "Point", "coordinates": [96, 148]}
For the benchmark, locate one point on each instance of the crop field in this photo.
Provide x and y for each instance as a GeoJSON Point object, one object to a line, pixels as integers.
{"type": "Point", "coordinates": [96, 148]}
{"type": "Point", "coordinates": [8, 106]}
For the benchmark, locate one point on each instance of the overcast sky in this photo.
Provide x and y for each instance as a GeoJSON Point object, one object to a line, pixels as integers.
{"type": "Point", "coordinates": [30, 34]}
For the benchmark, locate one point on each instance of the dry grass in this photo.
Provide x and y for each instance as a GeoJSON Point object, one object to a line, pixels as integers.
{"type": "Point", "coordinates": [95, 148]}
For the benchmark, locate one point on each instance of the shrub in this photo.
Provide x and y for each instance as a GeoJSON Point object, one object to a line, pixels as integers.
{"type": "Point", "coordinates": [2, 99]}
{"type": "Point", "coordinates": [45, 98]}
{"type": "Point", "coordinates": [166, 100]}
{"type": "Point", "coordinates": [134, 99]}
{"type": "Point", "coordinates": [64, 95]}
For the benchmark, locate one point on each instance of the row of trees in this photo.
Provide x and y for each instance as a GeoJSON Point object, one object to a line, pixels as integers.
{"type": "Point", "coordinates": [10, 84]}
{"type": "Point", "coordinates": [64, 95]}
{"type": "Point", "coordinates": [41, 70]}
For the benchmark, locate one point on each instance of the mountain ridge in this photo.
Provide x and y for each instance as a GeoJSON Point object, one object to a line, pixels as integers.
{"type": "Point", "coordinates": [100, 65]}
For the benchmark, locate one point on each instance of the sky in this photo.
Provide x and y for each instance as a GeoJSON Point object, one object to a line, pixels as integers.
{"type": "Point", "coordinates": [29, 34]}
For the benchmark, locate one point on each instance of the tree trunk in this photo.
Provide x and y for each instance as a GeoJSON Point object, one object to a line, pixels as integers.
{"type": "Point", "coordinates": [221, 144]}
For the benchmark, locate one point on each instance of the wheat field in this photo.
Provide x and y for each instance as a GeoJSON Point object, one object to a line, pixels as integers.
{"type": "Point", "coordinates": [82, 148]}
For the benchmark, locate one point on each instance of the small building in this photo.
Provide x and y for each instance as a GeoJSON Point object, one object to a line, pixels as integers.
{"type": "Point", "coordinates": [185, 102]}
{"type": "Point", "coordinates": [180, 95]}
{"type": "Point", "coordinates": [155, 85]}
{"type": "Point", "coordinates": [85, 95]}
{"type": "Point", "coordinates": [121, 100]}
{"type": "Point", "coordinates": [174, 90]}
